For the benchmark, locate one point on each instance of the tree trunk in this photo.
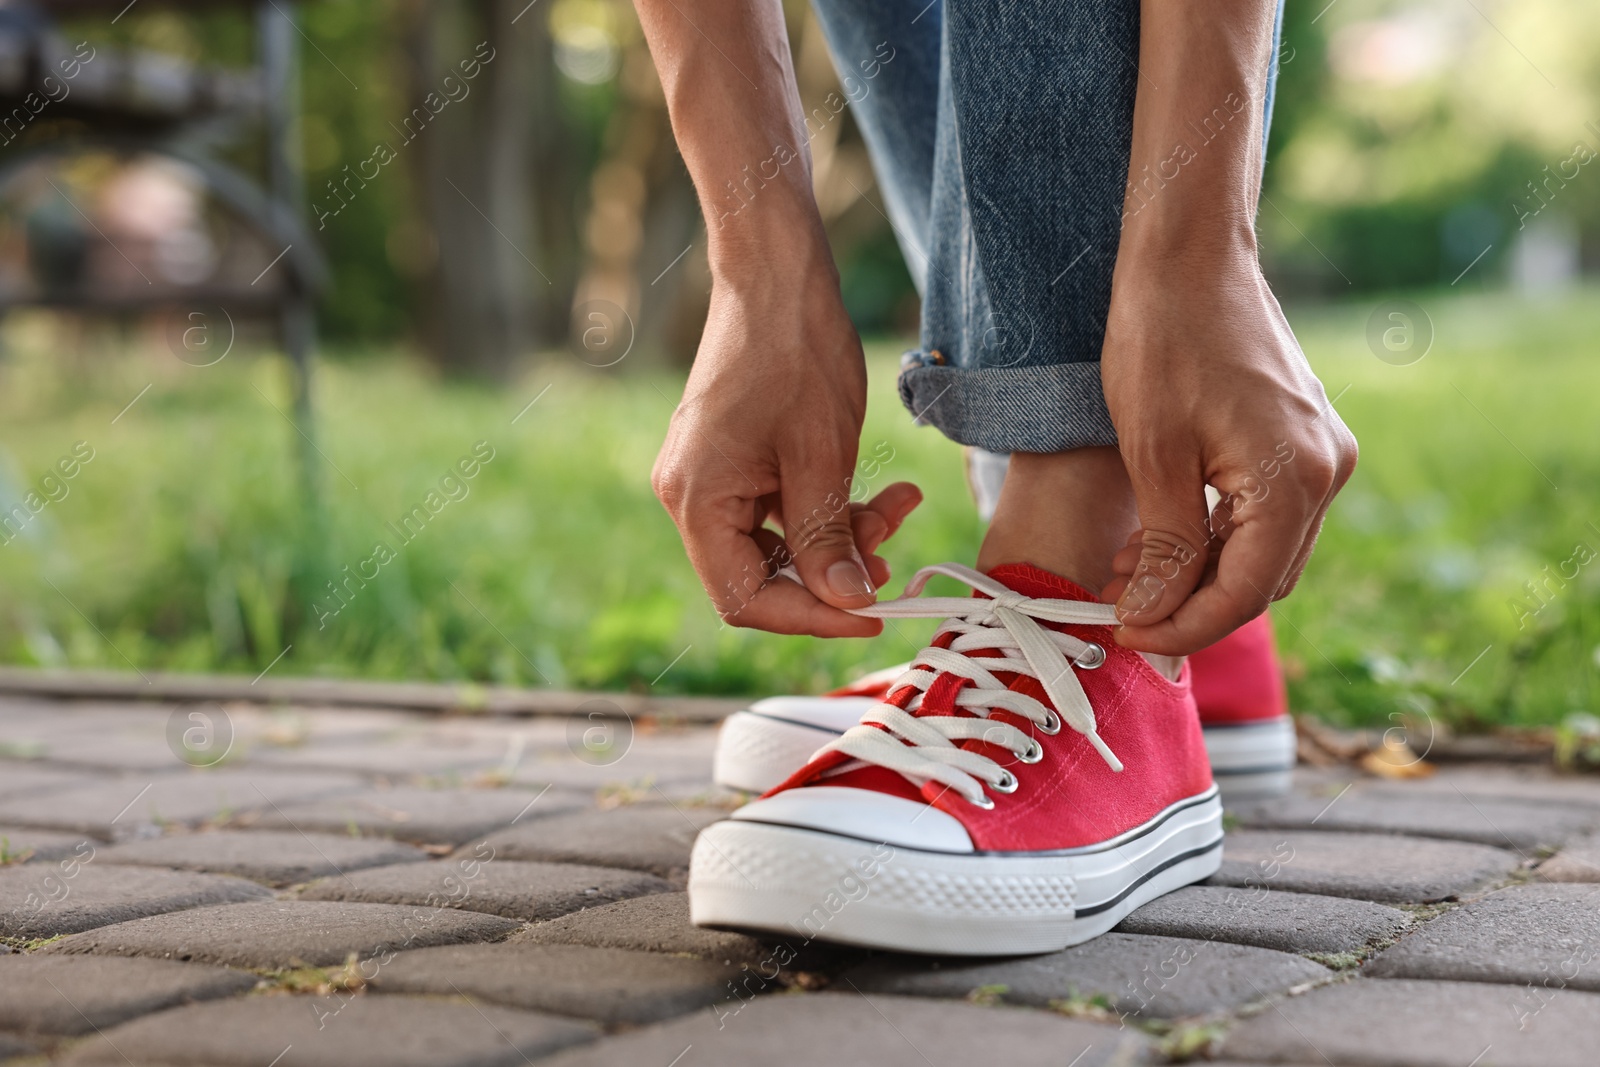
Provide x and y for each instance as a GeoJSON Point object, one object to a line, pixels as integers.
{"type": "Point", "coordinates": [474, 165]}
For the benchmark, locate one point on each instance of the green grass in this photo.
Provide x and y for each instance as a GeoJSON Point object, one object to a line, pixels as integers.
{"type": "Point", "coordinates": [1480, 467]}
{"type": "Point", "coordinates": [185, 544]}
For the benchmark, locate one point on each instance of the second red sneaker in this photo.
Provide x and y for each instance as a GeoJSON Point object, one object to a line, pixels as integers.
{"type": "Point", "coordinates": [1022, 787]}
{"type": "Point", "coordinates": [771, 739]}
{"type": "Point", "coordinates": [1238, 687]}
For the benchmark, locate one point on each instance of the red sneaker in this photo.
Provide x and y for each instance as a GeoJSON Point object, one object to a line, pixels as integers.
{"type": "Point", "coordinates": [959, 816]}
{"type": "Point", "coordinates": [1238, 687]}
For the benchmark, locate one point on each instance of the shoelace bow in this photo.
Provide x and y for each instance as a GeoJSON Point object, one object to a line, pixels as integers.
{"type": "Point", "coordinates": [924, 749]}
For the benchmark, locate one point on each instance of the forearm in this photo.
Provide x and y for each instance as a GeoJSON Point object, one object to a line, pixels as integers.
{"type": "Point", "coordinates": [1195, 167]}
{"type": "Point", "coordinates": [735, 108]}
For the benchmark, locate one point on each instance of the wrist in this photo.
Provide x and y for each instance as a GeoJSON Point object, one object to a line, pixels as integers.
{"type": "Point", "coordinates": [771, 227]}
{"type": "Point", "coordinates": [1161, 238]}
{"type": "Point", "coordinates": [1193, 205]}
{"type": "Point", "coordinates": [789, 264]}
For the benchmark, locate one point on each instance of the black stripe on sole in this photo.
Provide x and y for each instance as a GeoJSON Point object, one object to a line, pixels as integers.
{"type": "Point", "coordinates": [1096, 909]}
{"type": "Point", "coordinates": [1273, 768]}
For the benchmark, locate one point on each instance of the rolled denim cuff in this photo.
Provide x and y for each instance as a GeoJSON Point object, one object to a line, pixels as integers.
{"type": "Point", "coordinates": [1050, 408]}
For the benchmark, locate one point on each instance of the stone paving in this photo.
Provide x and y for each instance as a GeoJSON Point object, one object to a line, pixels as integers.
{"type": "Point", "coordinates": [353, 886]}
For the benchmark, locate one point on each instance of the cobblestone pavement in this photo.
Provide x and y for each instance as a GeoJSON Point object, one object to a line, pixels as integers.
{"type": "Point", "coordinates": [351, 886]}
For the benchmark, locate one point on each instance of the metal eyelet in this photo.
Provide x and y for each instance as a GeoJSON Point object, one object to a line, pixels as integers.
{"type": "Point", "coordinates": [983, 803]}
{"type": "Point", "coordinates": [1092, 657]}
{"type": "Point", "coordinates": [1007, 783]}
{"type": "Point", "coordinates": [1051, 725]}
{"type": "Point", "coordinates": [1032, 754]}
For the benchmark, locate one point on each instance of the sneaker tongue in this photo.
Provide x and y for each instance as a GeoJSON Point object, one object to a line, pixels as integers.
{"type": "Point", "coordinates": [1039, 584]}
{"type": "Point", "coordinates": [1031, 581]}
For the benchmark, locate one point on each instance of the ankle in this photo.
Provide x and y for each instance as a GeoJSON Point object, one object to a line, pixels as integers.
{"type": "Point", "coordinates": [1065, 512]}
{"type": "Point", "coordinates": [1169, 667]}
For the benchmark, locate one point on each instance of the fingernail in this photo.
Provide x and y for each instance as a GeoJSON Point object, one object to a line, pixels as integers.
{"type": "Point", "coordinates": [847, 579]}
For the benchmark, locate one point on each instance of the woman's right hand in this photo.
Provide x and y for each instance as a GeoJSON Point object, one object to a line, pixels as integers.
{"type": "Point", "coordinates": [768, 429]}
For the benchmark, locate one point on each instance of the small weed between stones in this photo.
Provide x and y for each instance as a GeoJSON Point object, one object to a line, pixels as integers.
{"type": "Point", "coordinates": [988, 995]}
{"type": "Point", "coordinates": [1097, 1008]}
{"type": "Point", "coordinates": [716, 798]}
{"type": "Point", "coordinates": [1188, 1041]}
{"type": "Point", "coordinates": [1426, 912]}
{"type": "Point", "coordinates": [621, 794]}
{"type": "Point", "coordinates": [470, 699]}
{"type": "Point", "coordinates": [1378, 944]}
{"type": "Point", "coordinates": [317, 981]}
{"type": "Point", "coordinates": [1339, 961]}
{"type": "Point", "coordinates": [8, 856]}
{"type": "Point", "coordinates": [494, 778]}
{"type": "Point", "coordinates": [804, 981]}
{"type": "Point", "coordinates": [28, 944]}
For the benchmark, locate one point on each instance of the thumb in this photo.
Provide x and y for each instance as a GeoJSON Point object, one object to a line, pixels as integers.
{"type": "Point", "coordinates": [817, 526]}
{"type": "Point", "coordinates": [1172, 547]}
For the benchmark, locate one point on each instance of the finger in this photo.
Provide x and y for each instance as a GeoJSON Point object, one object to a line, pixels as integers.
{"type": "Point", "coordinates": [894, 503]}
{"type": "Point", "coordinates": [1344, 468]}
{"type": "Point", "coordinates": [1249, 568]}
{"type": "Point", "coordinates": [773, 549]}
{"type": "Point", "coordinates": [876, 520]}
{"type": "Point", "coordinates": [770, 508]}
{"type": "Point", "coordinates": [777, 552]}
{"type": "Point", "coordinates": [784, 606]}
{"type": "Point", "coordinates": [740, 570]}
{"type": "Point", "coordinates": [817, 525]}
{"type": "Point", "coordinates": [1303, 557]}
{"type": "Point", "coordinates": [1126, 561]}
{"type": "Point", "coordinates": [871, 529]}
{"type": "Point", "coordinates": [1173, 542]}
{"type": "Point", "coordinates": [1222, 517]}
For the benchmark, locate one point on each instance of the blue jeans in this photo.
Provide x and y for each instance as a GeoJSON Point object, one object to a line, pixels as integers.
{"type": "Point", "coordinates": [1000, 131]}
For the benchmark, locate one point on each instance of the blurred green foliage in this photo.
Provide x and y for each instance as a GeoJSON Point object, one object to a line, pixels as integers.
{"type": "Point", "coordinates": [184, 544]}
{"type": "Point", "coordinates": [1411, 136]}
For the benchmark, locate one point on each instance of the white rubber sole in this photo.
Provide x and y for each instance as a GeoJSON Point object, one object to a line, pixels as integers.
{"type": "Point", "coordinates": [1253, 760]}
{"type": "Point", "coordinates": [757, 752]}
{"type": "Point", "coordinates": [811, 885]}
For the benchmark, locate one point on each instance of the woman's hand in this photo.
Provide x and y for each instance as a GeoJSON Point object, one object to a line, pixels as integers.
{"type": "Point", "coordinates": [768, 429]}
{"type": "Point", "coordinates": [1207, 385]}
{"type": "Point", "coordinates": [1204, 379]}
{"type": "Point", "coordinates": [771, 417]}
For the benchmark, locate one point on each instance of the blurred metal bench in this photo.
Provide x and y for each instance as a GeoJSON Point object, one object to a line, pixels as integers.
{"type": "Point", "coordinates": [63, 99]}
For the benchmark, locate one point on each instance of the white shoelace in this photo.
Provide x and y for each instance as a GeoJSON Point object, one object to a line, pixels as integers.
{"type": "Point", "coordinates": [924, 749]}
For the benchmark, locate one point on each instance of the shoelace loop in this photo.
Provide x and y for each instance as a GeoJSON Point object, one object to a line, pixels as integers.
{"type": "Point", "coordinates": [924, 748]}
